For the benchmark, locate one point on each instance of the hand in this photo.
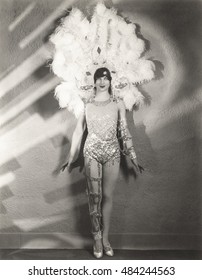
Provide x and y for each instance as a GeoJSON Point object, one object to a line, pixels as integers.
{"type": "Point", "coordinates": [137, 166]}
{"type": "Point", "coordinates": [67, 165]}
{"type": "Point", "coordinates": [70, 165]}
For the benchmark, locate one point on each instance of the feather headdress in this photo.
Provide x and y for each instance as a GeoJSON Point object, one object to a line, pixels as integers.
{"type": "Point", "coordinates": [107, 40]}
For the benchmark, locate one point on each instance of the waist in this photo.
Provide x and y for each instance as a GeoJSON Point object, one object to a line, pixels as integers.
{"type": "Point", "coordinates": [107, 137]}
{"type": "Point", "coordinates": [99, 144]}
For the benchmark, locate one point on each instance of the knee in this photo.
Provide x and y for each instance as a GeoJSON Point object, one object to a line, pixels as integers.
{"type": "Point", "coordinates": [108, 197]}
{"type": "Point", "coordinates": [95, 198]}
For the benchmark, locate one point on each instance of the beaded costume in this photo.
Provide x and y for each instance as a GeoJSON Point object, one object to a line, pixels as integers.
{"type": "Point", "coordinates": [101, 148]}
{"type": "Point", "coordinates": [102, 143]}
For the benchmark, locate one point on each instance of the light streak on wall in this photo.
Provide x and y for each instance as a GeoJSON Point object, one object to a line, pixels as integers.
{"type": "Point", "coordinates": [7, 71]}
{"type": "Point", "coordinates": [73, 240]}
{"type": "Point", "coordinates": [21, 17]}
{"type": "Point", "coordinates": [6, 179]}
{"type": "Point", "coordinates": [4, 224]}
{"type": "Point", "coordinates": [40, 212]}
{"type": "Point", "coordinates": [40, 88]}
{"type": "Point", "coordinates": [173, 113]}
{"type": "Point", "coordinates": [46, 24]}
{"type": "Point", "coordinates": [29, 134]}
{"type": "Point", "coordinates": [173, 73]}
{"type": "Point", "coordinates": [24, 70]}
{"type": "Point", "coordinates": [30, 224]}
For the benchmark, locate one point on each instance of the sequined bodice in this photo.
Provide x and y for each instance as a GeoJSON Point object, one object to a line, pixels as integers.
{"type": "Point", "coordinates": [102, 142]}
{"type": "Point", "coordinates": [102, 121]}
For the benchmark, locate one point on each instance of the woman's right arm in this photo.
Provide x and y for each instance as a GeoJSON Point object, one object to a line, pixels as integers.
{"type": "Point", "coordinates": [76, 141]}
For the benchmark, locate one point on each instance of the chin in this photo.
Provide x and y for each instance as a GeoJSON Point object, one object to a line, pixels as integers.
{"type": "Point", "coordinates": [103, 89]}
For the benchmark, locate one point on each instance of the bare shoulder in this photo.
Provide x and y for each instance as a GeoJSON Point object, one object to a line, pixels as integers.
{"type": "Point", "coordinates": [81, 116]}
{"type": "Point", "coordinates": [121, 109]}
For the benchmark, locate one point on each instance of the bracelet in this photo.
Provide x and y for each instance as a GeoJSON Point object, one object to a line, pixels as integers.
{"type": "Point", "coordinates": [129, 152]}
{"type": "Point", "coordinates": [132, 153]}
{"type": "Point", "coordinates": [122, 129]}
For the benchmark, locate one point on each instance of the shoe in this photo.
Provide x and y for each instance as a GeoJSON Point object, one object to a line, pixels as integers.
{"type": "Point", "coordinates": [108, 250]}
{"type": "Point", "coordinates": [98, 253]}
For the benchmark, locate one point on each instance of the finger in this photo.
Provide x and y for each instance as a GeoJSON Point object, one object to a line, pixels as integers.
{"type": "Point", "coordinates": [70, 168]}
{"type": "Point", "coordinates": [135, 165]}
{"type": "Point", "coordinates": [136, 168]}
{"type": "Point", "coordinates": [64, 166]}
{"type": "Point", "coordinates": [141, 169]}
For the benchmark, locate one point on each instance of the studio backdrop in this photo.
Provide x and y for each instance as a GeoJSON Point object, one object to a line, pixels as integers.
{"type": "Point", "coordinates": [159, 209]}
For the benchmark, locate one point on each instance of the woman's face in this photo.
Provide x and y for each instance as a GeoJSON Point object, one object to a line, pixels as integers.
{"type": "Point", "coordinates": [102, 84]}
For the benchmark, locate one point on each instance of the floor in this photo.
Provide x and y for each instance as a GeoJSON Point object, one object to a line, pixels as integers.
{"type": "Point", "coordinates": [59, 254]}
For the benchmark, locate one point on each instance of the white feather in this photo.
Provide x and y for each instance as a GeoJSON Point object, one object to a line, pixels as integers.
{"type": "Point", "coordinates": [82, 46]}
{"type": "Point", "coordinates": [129, 100]}
{"type": "Point", "coordinates": [100, 9]}
{"type": "Point", "coordinates": [67, 95]}
{"type": "Point", "coordinates": [139, 98]}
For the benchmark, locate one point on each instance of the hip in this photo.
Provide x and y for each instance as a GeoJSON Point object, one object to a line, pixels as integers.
{"type": "Point", "coordinates": [101, 150]}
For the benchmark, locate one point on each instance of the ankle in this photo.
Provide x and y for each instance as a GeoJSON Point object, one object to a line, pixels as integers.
{"type": "Point", "coordinates": [98, 244]}
{"type": "Point", "coordinates": [105, 241]}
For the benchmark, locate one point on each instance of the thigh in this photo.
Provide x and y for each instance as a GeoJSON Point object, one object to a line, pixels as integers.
{"type": "Point", "coordinates": [93, 172]}
{"type": "Point", "coordinates": [110, 176]}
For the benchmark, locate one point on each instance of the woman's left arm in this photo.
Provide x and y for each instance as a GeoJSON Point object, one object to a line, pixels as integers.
{"type": "Point", "coordinates": [126, 136]}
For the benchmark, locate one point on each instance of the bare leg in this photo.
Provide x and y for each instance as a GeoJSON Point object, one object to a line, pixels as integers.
{"type": "Point", "coordinates": [110, 175]}
{"type": "Point", "coordinates": [93, 171]}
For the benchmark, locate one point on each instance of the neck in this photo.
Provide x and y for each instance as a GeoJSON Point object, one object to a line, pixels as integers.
{"type": "Point", "coordinates": [102, 95]}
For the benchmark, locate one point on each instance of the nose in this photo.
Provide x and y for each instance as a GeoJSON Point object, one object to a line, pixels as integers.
{"type": "Point", "coordinates": [102, 80]}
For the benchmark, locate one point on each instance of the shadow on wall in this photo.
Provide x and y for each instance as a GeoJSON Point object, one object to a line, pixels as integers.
{"type": "Point", "coordinates": [80, 213]}
{"type": "Point", "coordinates": [78, 216]}
{"type": "Point", "coordinates": [178, 155]}
{"type": "Point", "coordinates": [145, 153]}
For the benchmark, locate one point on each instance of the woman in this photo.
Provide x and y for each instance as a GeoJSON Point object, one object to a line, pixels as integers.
{"type": "Point", "coordinates": [102, 116]}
